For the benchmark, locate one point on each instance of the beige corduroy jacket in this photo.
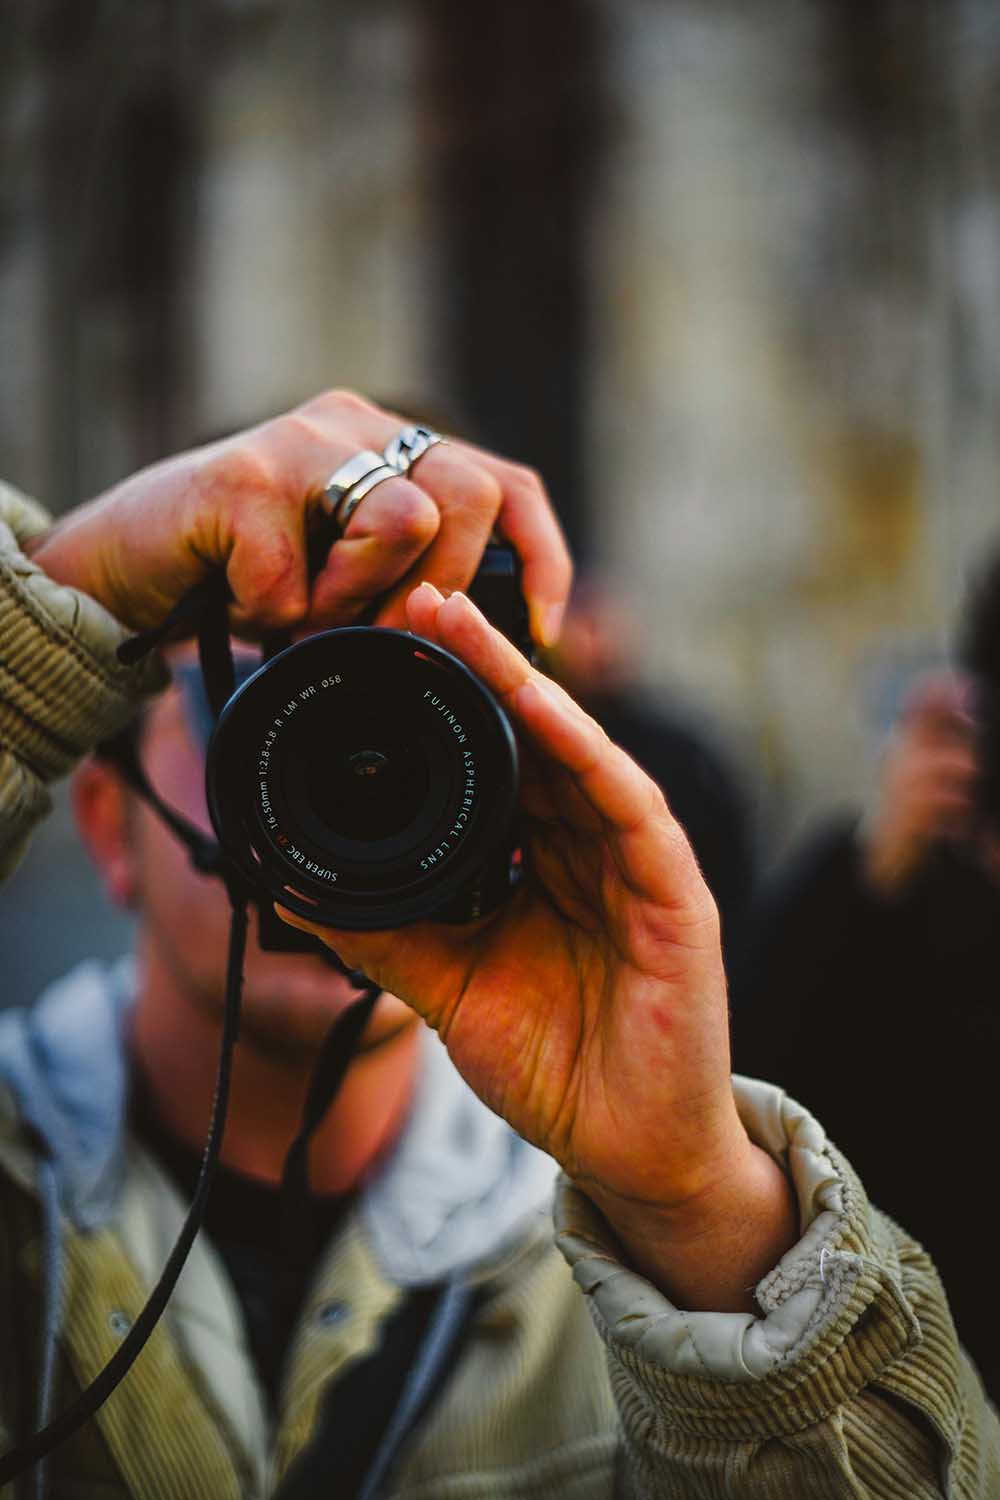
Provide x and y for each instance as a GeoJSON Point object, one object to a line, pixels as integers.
{"type": "Point", "coordinates": [578, 1378]}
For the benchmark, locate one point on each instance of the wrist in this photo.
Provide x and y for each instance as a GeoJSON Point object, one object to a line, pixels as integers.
{"type": "Point", "coordinates": [86, 551]}
{"type": "Point", "coordinates": [60, 560]}
{"type": "Point", "coordinates": [708, 1251]}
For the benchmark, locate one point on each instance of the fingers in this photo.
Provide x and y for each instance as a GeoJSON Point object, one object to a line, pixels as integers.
{"type": "Point", "coordinates": [955, 769]}
{"type": "Point", "coordinates": [649, 849]}
{"type": "Point", "coordinates": [943, 793]}
{"type": "Point", "coordinates": [920, 775]}
{"type": "Point", "coordinates": [393, 527]}
{"type": "Point", "coordinates": [938, 711]}
{"type": "Point", "coordinates": [266, 569]}
{"type": "Point", "coordinates": [612, 783]}
{"type": "Point", "coordinates": [942, 692]}
{"type": "Point", "coordinates": [474, 491]}
{"type": "Point", "coordinates": [253, 495]}
{"type": "Point", "coordinates": [468, 501]}
{"type": "Point", "coordinates": [489, 491]}
{"type": "Point", "coordinates": [527, 520]}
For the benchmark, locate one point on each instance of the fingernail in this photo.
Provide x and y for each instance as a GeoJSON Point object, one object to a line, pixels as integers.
{"type": "Point", "coordinates": [550, 623]}
{"type": "Point", "coordinates": [426, 584]}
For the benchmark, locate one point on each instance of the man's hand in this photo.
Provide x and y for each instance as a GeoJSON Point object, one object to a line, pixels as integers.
{"type": "Point", "coordinates": [590, 1011]}
{"type": "Point", "coordinates": [243, 504]}
{"type": "Point", "coordinates": [927, 784]}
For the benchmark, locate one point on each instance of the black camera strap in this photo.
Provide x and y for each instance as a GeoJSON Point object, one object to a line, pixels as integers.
{"type": "Point", "coordinates": [206, 609]}
{"type": "Point", "coordinates": [328, 1074]}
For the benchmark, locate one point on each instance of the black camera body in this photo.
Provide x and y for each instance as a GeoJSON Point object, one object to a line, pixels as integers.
{"type": "Point", "coordinates": [366, 779]}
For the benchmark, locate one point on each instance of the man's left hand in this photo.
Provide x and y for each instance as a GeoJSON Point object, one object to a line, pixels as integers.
{"type": "Point", "coordinates": [590, 1011]}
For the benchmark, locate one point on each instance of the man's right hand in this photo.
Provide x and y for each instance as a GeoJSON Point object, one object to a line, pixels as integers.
{"type": "Point", "coordinates": [242, 504]}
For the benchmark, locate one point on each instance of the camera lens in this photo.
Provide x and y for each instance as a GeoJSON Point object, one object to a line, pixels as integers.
{"type": "Point", "coordinates": [364, 777]}
{"type": "Point", "coordinates": [367, 784]}
{"type": "Point", "coordinates": [361, 781]}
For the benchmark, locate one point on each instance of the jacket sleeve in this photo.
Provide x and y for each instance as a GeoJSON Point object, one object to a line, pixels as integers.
{"type": "Point", "coordinates": [62, 688]}
{"type": "Point", "coordinates": [849, 1383]}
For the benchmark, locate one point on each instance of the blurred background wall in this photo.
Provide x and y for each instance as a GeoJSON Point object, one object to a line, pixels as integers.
{"type": "Point", "coordinates": [728, 275]}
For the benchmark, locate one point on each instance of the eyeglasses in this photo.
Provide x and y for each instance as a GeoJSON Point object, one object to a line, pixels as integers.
{"type": "Point", "coordinates": [197, 709]}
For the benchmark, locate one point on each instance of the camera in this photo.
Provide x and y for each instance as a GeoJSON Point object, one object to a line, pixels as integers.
{"type": "Point", "coordinates": [365, 778]}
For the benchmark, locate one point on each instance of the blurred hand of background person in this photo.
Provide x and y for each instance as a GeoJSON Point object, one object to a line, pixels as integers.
{"type": "Point", "coordinates": [927, 786]}
{"type": "Point", "coordinates": [244, 504]}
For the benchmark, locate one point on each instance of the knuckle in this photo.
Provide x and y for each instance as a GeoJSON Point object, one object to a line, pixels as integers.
{"type": "Point", "coordinates": [468, 492]}
{"type": "Point", "coordinates": [339, 399]}
{"type": "Point", "coordinates": [527, 478]}
{"type": "Point", "coordinates": [657, 805]}
{"type": "Point", "coordinates": [657, 810]}
{"type": "Point", "coordinates": [243, 472]}
{"type": "Point", "coordinates": [410, 517]}
{"type": "Point", "coordinates": [562, 563]}
{"type": "Point", "coordinates": [299, 424]}
{"type": "Point", "coordinates": [279, 582]}
{"type": "Point", "coordinates": [485, 493]}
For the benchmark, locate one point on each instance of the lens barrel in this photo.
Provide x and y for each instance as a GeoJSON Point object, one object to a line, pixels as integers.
{"type": "Point", "coordinates": [367, 779]}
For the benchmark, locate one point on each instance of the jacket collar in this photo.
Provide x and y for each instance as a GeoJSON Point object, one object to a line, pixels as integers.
{"type": "Point", "coordinates": [457, 1190]}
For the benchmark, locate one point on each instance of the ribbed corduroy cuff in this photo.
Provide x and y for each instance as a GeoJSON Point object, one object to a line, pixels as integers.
{"type": "Point", "coordinates": [834, 1315]}
{"type": "Point", "coordinates": [62, 688]}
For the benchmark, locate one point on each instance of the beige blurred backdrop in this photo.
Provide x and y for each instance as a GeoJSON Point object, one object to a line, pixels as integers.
{"type": "Point", "coordinates": [728, 274]}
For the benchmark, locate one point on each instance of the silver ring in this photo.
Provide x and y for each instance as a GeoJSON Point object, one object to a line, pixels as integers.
{"type": "Point", "coordinates": [363, 487]}
{"type": "Point", "coordinates": [409, 444]}
{"type": "Point", "coordinates": [343, 480]}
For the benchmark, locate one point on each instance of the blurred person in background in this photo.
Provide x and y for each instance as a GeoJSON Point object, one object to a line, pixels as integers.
{"type": "Point", "coordinates": [595, 661]}
{"type": "Point", "coordinates": [870, 985]}
{"type": "Point", "coordinates": [734, 1318]}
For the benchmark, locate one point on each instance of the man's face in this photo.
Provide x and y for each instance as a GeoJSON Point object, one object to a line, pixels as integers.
{"type": "Point", "coordinates": [289, 1000]}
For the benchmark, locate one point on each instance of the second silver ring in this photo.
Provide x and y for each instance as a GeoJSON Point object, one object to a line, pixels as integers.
{"type": "Point", "coordinates": [410, 444]}
{"type": "Point", "coordinates": [358, 491]}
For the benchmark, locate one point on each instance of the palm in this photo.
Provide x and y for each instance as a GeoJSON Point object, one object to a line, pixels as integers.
{"type": "Point", "coordinates": [565, 1047]}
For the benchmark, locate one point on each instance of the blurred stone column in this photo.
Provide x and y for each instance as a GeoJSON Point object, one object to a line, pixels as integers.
{"type": "Point", "coordinates": [119, 154]}
{"type": "Point", "coordinates": [962, 206]}
{"type": "Point", "coordinates": [514, 120]}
